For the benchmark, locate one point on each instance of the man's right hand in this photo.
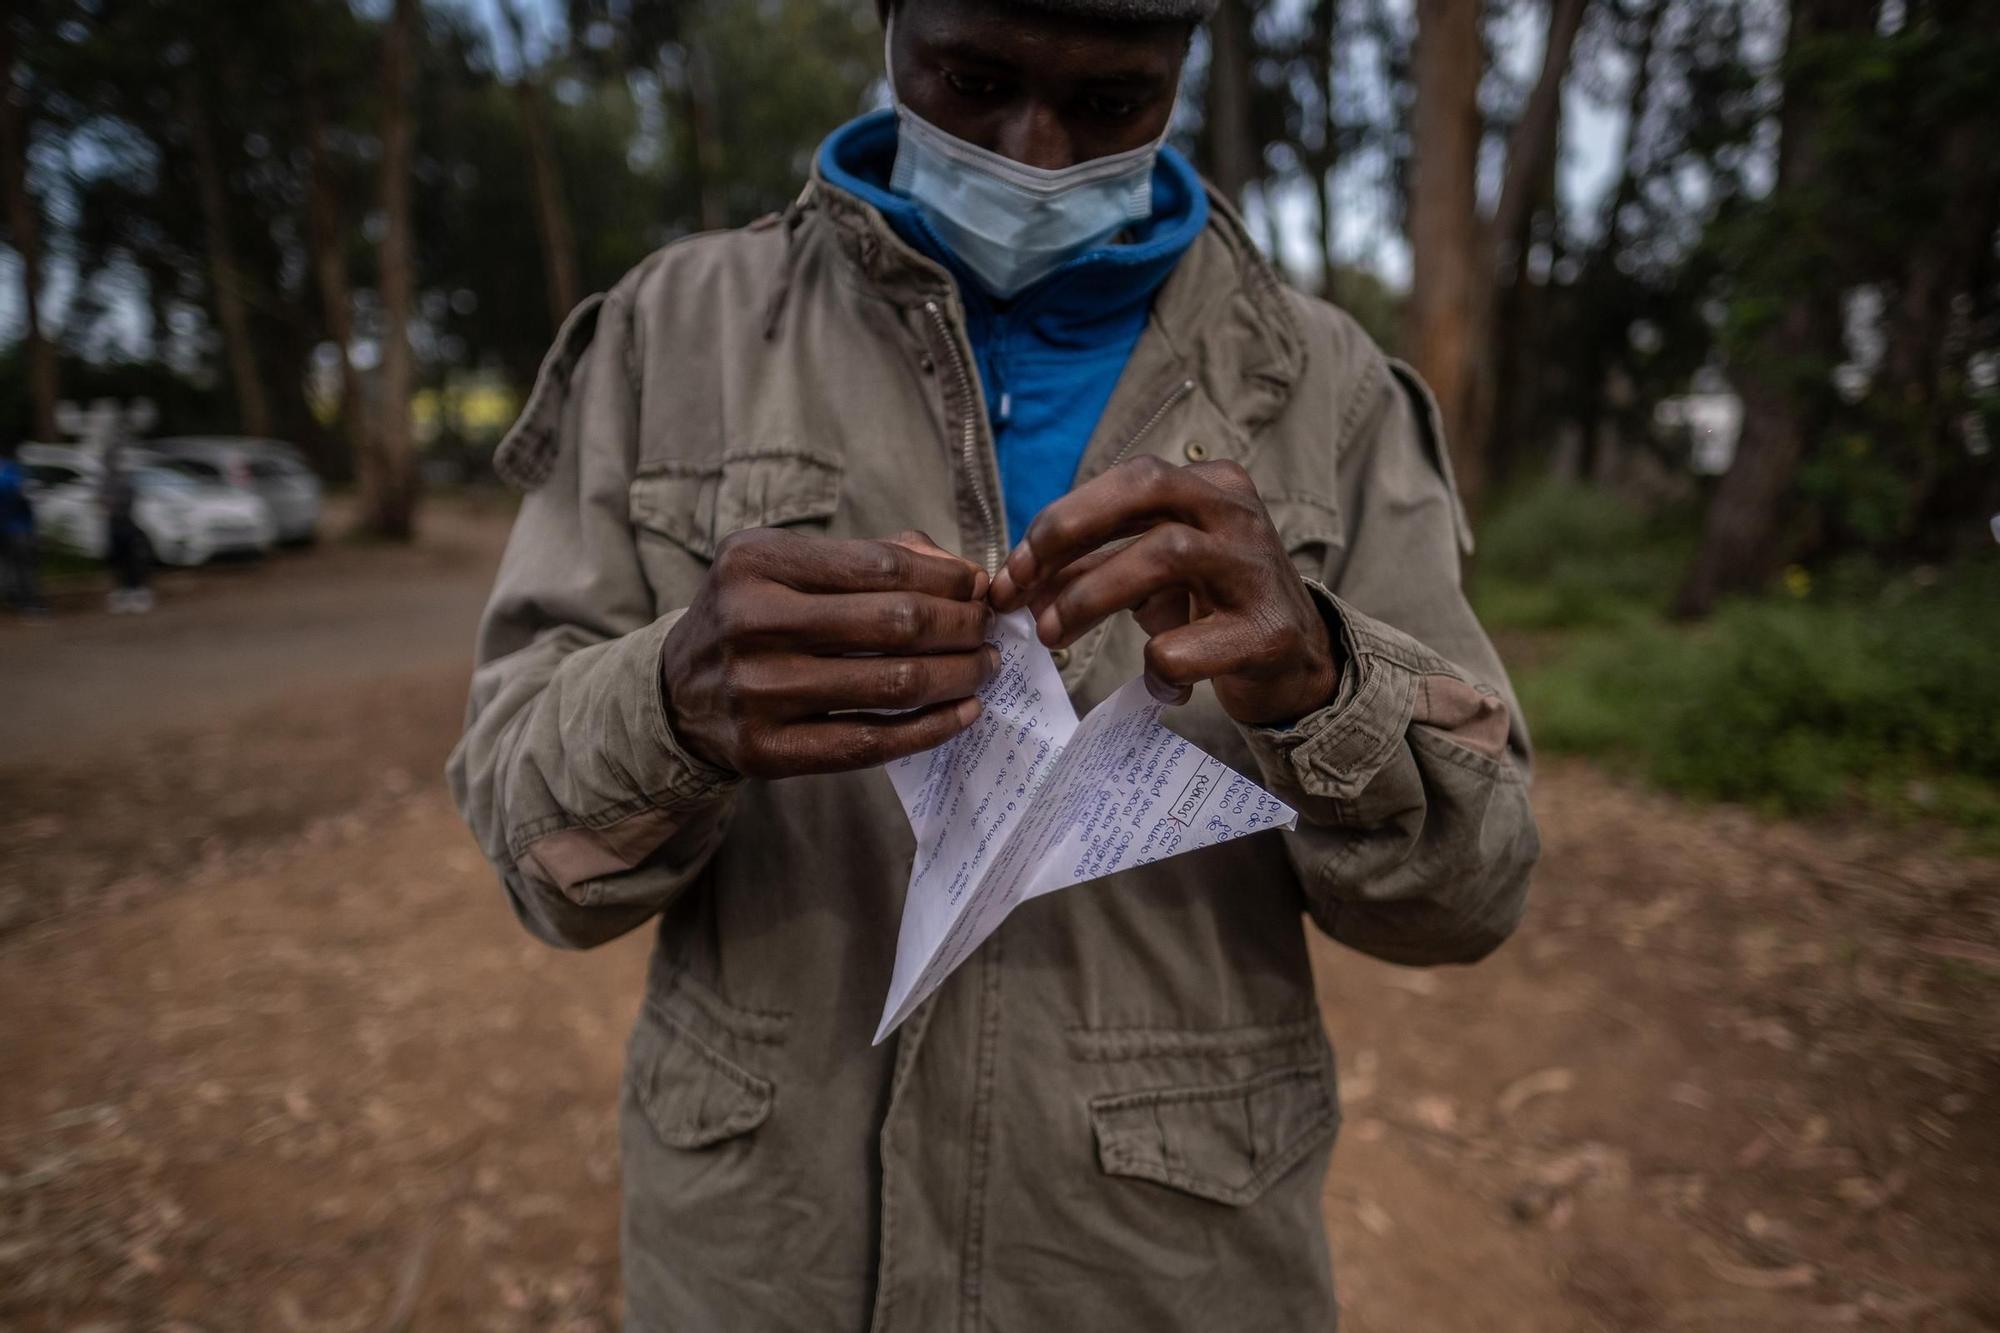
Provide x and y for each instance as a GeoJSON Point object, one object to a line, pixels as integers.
{"type": "Point", "coordinates": [790, 631]}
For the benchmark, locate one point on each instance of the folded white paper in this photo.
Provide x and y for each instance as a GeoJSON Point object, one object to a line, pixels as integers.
{"type": "Point", "coordinates": [1028, 800]}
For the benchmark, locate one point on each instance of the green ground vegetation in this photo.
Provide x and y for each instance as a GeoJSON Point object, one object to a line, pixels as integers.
{"type": "Point", "coordinates": [1847, 686]}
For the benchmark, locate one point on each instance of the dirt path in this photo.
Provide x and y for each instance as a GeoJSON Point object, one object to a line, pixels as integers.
{"type": "Point", "coordinates": [276, 1058]}
{"type": "Point", "coordinates": [238, 635]}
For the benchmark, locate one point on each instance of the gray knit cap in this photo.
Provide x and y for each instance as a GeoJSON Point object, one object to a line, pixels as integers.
{"type": "Point", "coordinates": [1128, 11]}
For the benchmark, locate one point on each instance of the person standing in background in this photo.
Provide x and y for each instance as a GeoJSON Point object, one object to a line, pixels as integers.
{"type": "Point", "coordinates": [131, 559]}
{"type": "Point", "coordinates": [18, 554]}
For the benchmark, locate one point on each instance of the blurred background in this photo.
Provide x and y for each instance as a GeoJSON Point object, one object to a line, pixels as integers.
{"type": "Point", "coordinates": [1710, 296]}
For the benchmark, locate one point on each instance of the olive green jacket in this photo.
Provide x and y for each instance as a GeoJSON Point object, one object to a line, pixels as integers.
{"type": "Point", "coordinates": [1118, 1113]}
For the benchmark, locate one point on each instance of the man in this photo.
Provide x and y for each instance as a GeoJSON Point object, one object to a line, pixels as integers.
{"type": "Point", "coordinates": [1003, 316]}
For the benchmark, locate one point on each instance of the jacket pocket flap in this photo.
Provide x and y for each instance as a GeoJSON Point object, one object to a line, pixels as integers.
{"type": "Point", "coordinates": [1310, 528]}
{"type": "Point", "coordinates": [697, 504]}
{"type": "Point", "coordinates": [1224, 1142]}
{"type": "Point", "coordinates": [691, 1093]}
{"type": "Point", "coordinates": [1305, 520]}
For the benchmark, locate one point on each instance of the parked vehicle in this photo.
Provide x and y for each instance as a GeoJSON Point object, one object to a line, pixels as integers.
{"type": "Point", "coordinates": [272, 470]}
{"type": "Point", "coordinates": [50, 466]}
{"type": "Point", "coordinates": [184, 522]}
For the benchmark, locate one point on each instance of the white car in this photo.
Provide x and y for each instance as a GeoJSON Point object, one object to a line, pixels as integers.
{"type": "Point", "coordinates": [275, 472]}
{"type": "Point", "coordinates": [183, 521]}
{"type": "Point", "coordinates": [51, 466]}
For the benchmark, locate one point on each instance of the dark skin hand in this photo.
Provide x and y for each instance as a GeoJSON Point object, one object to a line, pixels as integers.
{"type": "Point", "coordinates": [1044, 90]}
{"type": "Point", "coordinates": [790, 631]}
{"type": "Point", "coordinates": [1192, 553]}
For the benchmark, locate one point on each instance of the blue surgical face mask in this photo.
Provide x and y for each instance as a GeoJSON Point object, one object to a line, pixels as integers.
{"type": "Point", "coordinates": [1009, 223]}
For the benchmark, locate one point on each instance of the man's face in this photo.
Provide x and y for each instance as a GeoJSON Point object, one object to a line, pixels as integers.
{"type": "Point", "coordinates": [1046, 91]}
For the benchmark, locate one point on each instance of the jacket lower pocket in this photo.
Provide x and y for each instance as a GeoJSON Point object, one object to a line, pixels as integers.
{"type": "Point", "coordinates": [690, 1093]}
{"type": "Point", "coordinates": [1225, 1142]}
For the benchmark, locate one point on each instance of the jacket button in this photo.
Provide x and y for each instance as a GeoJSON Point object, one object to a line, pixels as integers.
{"type": "Point", "coordinates": [1196, 451]}
{"type": "Point", "coordinates": [1060, 657]}
{"type": "Point", "coordinates": [928, 365]}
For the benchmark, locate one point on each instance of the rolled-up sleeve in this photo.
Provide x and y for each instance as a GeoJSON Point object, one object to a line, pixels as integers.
{"type": "Point", "coordinates": [1416, 836]}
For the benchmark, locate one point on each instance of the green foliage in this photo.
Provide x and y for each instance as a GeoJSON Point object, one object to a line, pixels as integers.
{"type": "Point", "coordinates": [1798, 703]}
{"type": "Point", "coordinates": [1375, 305]}
{"type": "Point", "coordinates": [768, 123]}
{"type": "Point", "coordinates": [1560, 555]}
{"type": "Point", "coordinates": [1896, 274]}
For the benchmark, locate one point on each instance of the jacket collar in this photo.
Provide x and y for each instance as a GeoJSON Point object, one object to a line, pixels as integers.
{"type": "Point", "coordinates": [1221, 319]}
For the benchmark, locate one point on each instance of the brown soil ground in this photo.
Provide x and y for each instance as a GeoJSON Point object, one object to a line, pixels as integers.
{"type": "Point", "coordinates": [275, 1056]}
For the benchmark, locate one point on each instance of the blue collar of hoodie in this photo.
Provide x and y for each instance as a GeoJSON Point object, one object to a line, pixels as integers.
{"type": "Point", "coordinates": [1100, 284]}
{"type": "Point", "coordinates": [1049, 359]}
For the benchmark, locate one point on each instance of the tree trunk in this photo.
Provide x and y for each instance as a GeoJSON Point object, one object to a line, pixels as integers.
{"type": "Point", "coordinates": [1599, 267]}
{"type": "Point", "coordinates": [1320, 161]}
{"type": "Point", "coordinates": [1520, 354]}
{"type": "Point", "coordinates": [388, 484]}
{"type": "Point", "coordinates": [329, 260]}
{"type": "Point", "coordinates": [551, 211]}
{"type": "Point", "coordinates": [1501, 241]}
{"type": "Point", "coordinates": [1233, 157]}
{"type": "Point", "coordinates": [1446, 280]}
{"type": "Point", "coordinates": [704, 152]}
{"type": "Point", "coordinates": [1744, 540]}
{"type": "Point", "coordinates": [24, 224]}
{"type": "Point", "coordinates": [1935, 274]}
{"type": "Point", "coordinates": [1531, 145]}
{"type": "Point", "coordinates": [225, 278]}
{"type": "Point", "coordinates": [1785, 379]}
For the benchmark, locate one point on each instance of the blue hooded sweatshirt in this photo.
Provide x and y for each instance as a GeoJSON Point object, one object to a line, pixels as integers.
{"type": "Point", "coordinates": [1048, 359]}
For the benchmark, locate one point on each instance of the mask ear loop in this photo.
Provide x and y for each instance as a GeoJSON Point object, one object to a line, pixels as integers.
{"type": "Point", "coordinates": [889, 57]}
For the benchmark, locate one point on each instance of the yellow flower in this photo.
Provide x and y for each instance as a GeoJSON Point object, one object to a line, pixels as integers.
{"type": "Point", "coordinates": [1796, 580]}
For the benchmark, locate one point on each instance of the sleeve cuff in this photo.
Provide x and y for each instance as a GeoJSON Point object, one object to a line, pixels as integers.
{"type": "Point", "coordinates": [658, 785]}
{"type": "Point", "coordinates": [1337, 750]}
{"type": "Point", "coordinates": [699, 779]}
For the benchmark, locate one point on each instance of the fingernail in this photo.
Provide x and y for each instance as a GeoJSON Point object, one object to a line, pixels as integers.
{"type": "Point", "coordinates": [1166, 693]}
{"type": "Point", "coordinates": [1021, 561]}
{"type": "Point", "coordinates": [1003, 589]}
{"type": "Point", "coordinates": [981, 581]}
{"type": "Point", "coordinates": [968, 712]}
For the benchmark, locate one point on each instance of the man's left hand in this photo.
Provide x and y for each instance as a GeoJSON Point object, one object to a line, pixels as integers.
{"type": "Point", "coordinates": [1203, 571]}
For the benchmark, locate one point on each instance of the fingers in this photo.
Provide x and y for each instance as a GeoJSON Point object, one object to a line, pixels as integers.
{"type": "Point", "coordinates": [1129, 498]}
{"type": "Point", "coordinates": [921, 543]}
{"type": "Point", "coordinates": [1165, 610]}
{"type": "Point", "coordinates": [897, 623]}
{"type": "Point", "coordinates": [839, 745]}
{"type": "Point", "coordinates": [829, 565]}
{"type": "Point", "coordinates": [1171, 556]}
{"type": "Point", "coordinates": [1182, 658]}
{"type": "Point", "coordinates": [803, 687]}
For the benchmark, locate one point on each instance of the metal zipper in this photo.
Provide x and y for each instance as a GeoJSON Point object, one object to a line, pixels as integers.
{"type": "Point", "coordinates": [969, 441]}
{"type": "Point", "coordinates": [1181, 390]}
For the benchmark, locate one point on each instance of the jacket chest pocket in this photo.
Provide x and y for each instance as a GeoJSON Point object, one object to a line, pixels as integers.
{"type": "Point", "coordinates": [696, 504]}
